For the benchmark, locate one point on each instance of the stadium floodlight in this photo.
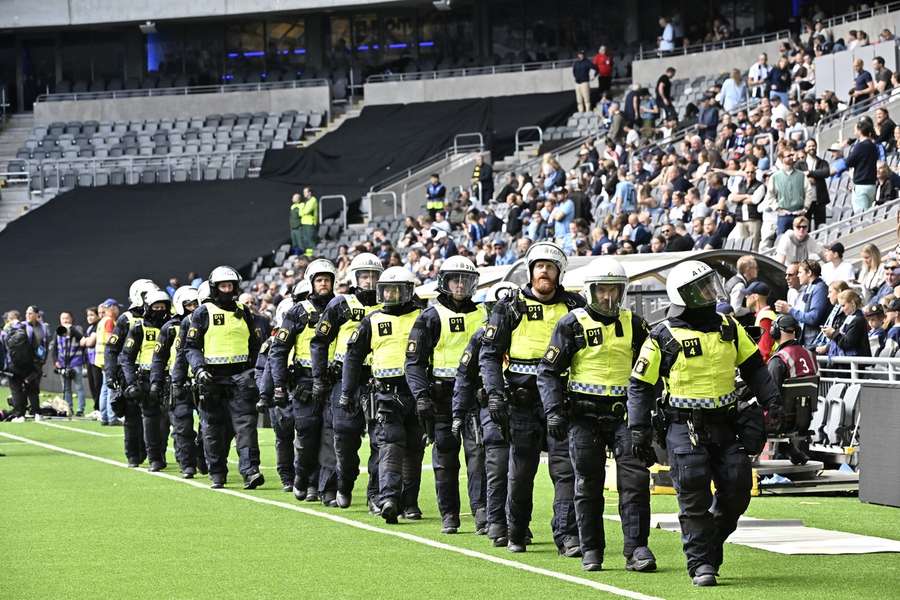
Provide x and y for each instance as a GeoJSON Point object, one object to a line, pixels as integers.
{"type": "Point", "coordinates": [442, 4]}
{"type": "Point", "coordinates": [148, 27]}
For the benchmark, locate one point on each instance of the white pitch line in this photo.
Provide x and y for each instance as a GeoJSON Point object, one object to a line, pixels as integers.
{"type": "Point", "coordinates": [77, 430]}
{"type": "Point", "coordinates": [616, 591]}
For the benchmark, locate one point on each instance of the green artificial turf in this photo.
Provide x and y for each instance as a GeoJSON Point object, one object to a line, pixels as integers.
{"type": "Point", "coordinates": [77, 528]}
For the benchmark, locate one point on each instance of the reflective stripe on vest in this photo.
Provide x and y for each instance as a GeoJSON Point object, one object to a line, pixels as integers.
{"type": "Point", "coordinates": [603, 366]}
{"type": "Point", "coordinates": [390, 333]}
{"type": "Point", "coordinates": [173, 347]}
{"type": "Point", "coordinates": [456, 331]}
{"type": "Point", "coordinates": [704, 371]}
{"type": "Point", "coordinates": [302, 355]}
{"type": "Point", "coordinates": [529, 340]}
{"type": "Point", "coordinates": [227, 339]}
{"type": "Point", "coordinates": [357, 312]}
{"type": "Point", "coordinates": [102, 337]}
{"type": "Point", "coordinates": [148, 344]}
{"type": "Point", "coordinates": [800, 362]}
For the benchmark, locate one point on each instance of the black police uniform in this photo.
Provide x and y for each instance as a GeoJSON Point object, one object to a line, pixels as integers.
{"type": "Point", "coordinates": [184, 399]}
{"type": "Point", "coordinates": [597, 424]}
{"type": "Point", "coordinates": [154, 416]}
{"type": "Point", "coordinates": [527, 424]}
{"type": "Point", "coordinates": [228, 403]}
{"type": "Point", "coordinates": [703, 444]}
{"type": "Point", "coordinates": [347, 426]}
{"type": "Point", "coordinates": [429, 388]}
{"type": "Point", "coordinates": [281, 417]}
{"type": "Point", "coordinates": [126, 409]}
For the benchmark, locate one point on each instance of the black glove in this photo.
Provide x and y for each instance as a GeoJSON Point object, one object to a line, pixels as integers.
{"type": "Point", "coordinates": [346, 403]}
{"type": "Point", "coordinates": [280, 397]}
{"type": "Point", "coordinates": [425, 411]}
{"type": "Point", "coordinates": [203, 377]}
{"type": "Point", "coordinates": [118, 406]}
{"type": "Point", "coordinates": [112, 384]}
{"type": "Point", "coordinates": [456, 428]}
{"type": "Point", "coordinates": [642, 446]}
{"type": "Point", "coordinates": [264, 403]}
{"type": "Point", "coordinates": [320, 391]}
{"type": "Point", "coordinates": [557, 426]}
{"type": "Point", "coordinates": [498, 408]}
{"type": "Point", "coordinates": [774, 416]}
{"type": "Point", "coordinates": [132, 392]}
{"type": "Point", "coordinates": [153, 393]}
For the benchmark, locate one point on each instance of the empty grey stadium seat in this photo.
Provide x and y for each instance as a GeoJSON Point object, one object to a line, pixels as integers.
{"type": "Point", "coordinates": [85, 180]}
{"type": "Point", "coordinates": [210, 174]}
{"type": "Point", "coordinates": [179, 175]}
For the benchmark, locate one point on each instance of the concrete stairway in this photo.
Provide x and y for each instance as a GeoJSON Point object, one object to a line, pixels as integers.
{"type": "Point", "coordinates": [12, 137]}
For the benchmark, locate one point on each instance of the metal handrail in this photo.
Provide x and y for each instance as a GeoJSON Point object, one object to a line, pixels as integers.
{"type": "Point", "coordinates": [822, 232]}
{"type": "Point", "coordinates": [392, 194]}
{"type": "Point", "coordinates": [759, 38]}
{"type": "Point", "coordinates": [461, 136]}
{"type": "Point", "coordinates": [469, 71]}
{"type": "Point", "coordinates": [452, 150]}
{"type": "Point", "coordinates": [519, 143]}
{"type": "Point", "coordinates": [860, 369]}
{"type": "Point", "coordinates": [861, 14]}
{"type": "Point", "coordinates": [183, 91]}
{"type": "Point", "coordinates": [144, 160]}
{"type": "Point", "coordinates": [343, 200]}
{"type": "Point", "coordinates": [851, 111]}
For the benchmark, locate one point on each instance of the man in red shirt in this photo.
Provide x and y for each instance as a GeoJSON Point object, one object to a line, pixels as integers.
{"type": "Point", "coordinates": [603, 62]}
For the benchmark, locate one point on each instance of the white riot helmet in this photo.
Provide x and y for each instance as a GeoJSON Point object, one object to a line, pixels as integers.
{"type": "Point", "coordinates": [550, 252]}
{"type": "Point", "coordinates": [281, 310]}
{"type": "Point", "coordinates": [362, 264]}
{"type": "Point", "coordinates": [138, 290]}
{"type": "Point", "coordinates": [604, 285]}
{"type": "Point", "coordinates": [693, 284]}
{"type": "Point", "coordinates": [457, 271]}
{"type": "Point", "coordinates": [203, 292]}
{"type": "Point", "coordinates": [155, 296]}
{"type": "Point", "coordinates": [395, 287]}
{"type": "Point", "coordinates": [321, 266]}
{"type": "Point", "coordinates": [498, 292]}
{"type": "Point", "coordinates": [223, 274]}
{"type": "Point", "coordinates": [301, 290]}
{"type": "Point", "coordinates": [184, 295]}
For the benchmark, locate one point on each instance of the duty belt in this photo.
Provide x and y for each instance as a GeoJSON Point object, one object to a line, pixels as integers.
{"type": "Point", "coordinates": [445, 372]}
{"type": "Point", "coordinates": [597, 390]}
{"type": "Point", "coordinates": [226, 360]}
{"type": "Point", "coordinates": [385, 373]}
{"type": "Point", "coordinates": [304, 362]}
{"type": "Point", "coordinates": [522, 368]}
{"type": "Point", "coordinates": [709, 403]}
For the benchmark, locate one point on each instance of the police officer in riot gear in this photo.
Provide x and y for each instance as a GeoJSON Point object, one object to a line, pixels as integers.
{"type": "Point", "coordinates": [135, 360]}
{"type": "Point", "coordinates": [597, 346]}
{"type": "Point", "coordinates": [221, 347]}
{"type": "Point", "coordinates": [384, 334]}
{"type": "Point", "coordinates": [795, 372]}
{"type": "Point", "coordinates": [520, 328]}
{"type": "Point", "coordinates": [709, 434]}
{"type": "Point", "coordinates": [435, 347]}
{"type": "Point", "coordinates": [179, 401]}
{"type": "Point", "coordinates": [293, 380]}
{"type": "Point", "coordinates": [328, 349]}
{"type": "Point", "coordinates": [125, 409]}
{"type": "Point", "coordinates": [487, 451]}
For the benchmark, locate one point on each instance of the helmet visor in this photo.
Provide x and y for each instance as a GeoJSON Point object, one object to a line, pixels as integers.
{"type": "Point", "coordinates": [606, 298]}
{"type": "Point", "coordinates": [365, 279]}
{"type": "Point", "coordinates": [706, 291]}
{"type": "Point", "coordinates": [393, 293]}
{"type": "Point", "coordinates": [458, 285]}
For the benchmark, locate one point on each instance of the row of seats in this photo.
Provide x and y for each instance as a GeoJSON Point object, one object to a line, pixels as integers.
{"type": "Point", "coordinates": [834, 421]}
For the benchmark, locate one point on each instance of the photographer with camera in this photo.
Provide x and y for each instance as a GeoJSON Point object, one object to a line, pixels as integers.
{"type": "Point", "coordinates": [68, 360]}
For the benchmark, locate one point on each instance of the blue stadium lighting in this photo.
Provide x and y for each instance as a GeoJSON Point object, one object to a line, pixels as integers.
{"type": "Point", "coordinates": [397, 46]}
{"type": "Point", "coordinates": [299, 50]}
{"type": "Point", "coordinates": [233, 54]}
{"type": "Point", "coordinates": [363, 48]}
{"type": "Point", "coordinates": [426, 44]}
{"type": "Point", "coordinates": [254, 54]}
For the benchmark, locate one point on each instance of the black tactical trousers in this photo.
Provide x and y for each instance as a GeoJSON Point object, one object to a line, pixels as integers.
{"type": "Point", "coordinates": [282, 420]}
{"type": "Point", "coordinates": [400, 449]}
{"type": "Point", "coordinates": [589, 439]}
{"type": "Point", "coordinates": [327, 459]}
{"type": "Point", "coordinates": [496, 470]}
{"type": "Point", "coordinates": [707, 520]}
{"type": "Point", "coordinates": [228, 410]}
{"type": "Point", "coordinates": [135, 450]}
{"type": "Point", "coordinates": [307, 438]}
{"type": "Point", "coordinates": [348, 427]}
{"type": "Point", "coordinates": [183, 435]}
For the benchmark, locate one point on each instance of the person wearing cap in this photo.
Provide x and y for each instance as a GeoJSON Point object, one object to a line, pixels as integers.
{"type": "Point", "coordinates": [758, 293]}
{"type": "Point", "coordinates": [835, 268]}
{"type": "Point", "coordinates": [892, 321]}
{"type": "Point", "coordinates": [875, 318]}
{"type": "Point", "coordinates": [837, 164]}
{"type": "Point", "coordinates": [581, 71]}
{"type": "Point", "coordinates": [501, 255]}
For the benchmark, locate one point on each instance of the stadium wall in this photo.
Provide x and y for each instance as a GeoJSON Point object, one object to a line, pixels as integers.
{"type": "Point", "coordinates": [473, 86]}
{"type": "Point", "coordinates": [317, 98]}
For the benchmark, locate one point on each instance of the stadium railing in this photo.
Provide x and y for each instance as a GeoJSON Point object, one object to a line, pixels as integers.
{"type": "Point", "coordinates": [750, 40]}
{"type": "Point", "coordinates": [468, 71]}
{"type": "Point", "coordinates": [862, 14]}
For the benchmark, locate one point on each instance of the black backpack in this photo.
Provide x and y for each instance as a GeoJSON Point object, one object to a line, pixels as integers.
{"type": "Point", "coordinates": [19, 351]}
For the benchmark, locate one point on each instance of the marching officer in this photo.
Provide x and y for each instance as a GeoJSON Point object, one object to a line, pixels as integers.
{"type": "Point", "coordinates": [221, 348]}
{"type": "Point", "coordinates": [293, 383]}
{"type": "Point", "coordinates": [181, 405]}
{"type": "Point", "coordinates": [598, 346]}
{"type": "Point", "coordinates": [487, 451]}
{"type": "Point", "coordinates": [709, 433]}
{"type": "Point", "coordinates": [384, 334]}
{"type": "Point", "coordinates": [520, 328]}
{"type": "Point", "coordinates": [328, 349]}
{"type": "Point", "coordinates": [135, 361]}
{"type": "Point", "coordinates": [435, 347]}
{"type": "Point", "coordinates": [125, 409]}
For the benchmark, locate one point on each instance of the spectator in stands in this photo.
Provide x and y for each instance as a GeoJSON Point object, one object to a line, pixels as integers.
{"type": "Point", "coordinates": [309, 221]}
{"type": "Point", "coordinates": [631, 109]}
{"type": "Point", "coordinates": [874, 314]}
{"type": "Point", "coordinates": [792, 279]}
{"type": "Point", "coordinates": [884, 130]}
{"type": "Point", "coordinates": [863, 84]}
{"type": "Point", "coordinates": [835, 268]}
{"type": "Point", "coordinates": [758, 76]}
{"type": "Point", "coordinates": [483, 179]}
{"type": "Point", "coordinates": [603, 64]}
{"type": "Point", "coordinates": [759, 314]}
{"type": "Point", "coordinates": [881, 75]}
{"type": "Point", "coordinates": [616, 132]}
{"type": "Point", "coordinates": [664, 93]}
{"type": "Point", "coordinates": [708, 121]}
{"type": "Point", "coordinates": [814, 305]}
{"type": "Point", "coordinates": [817, 172]}
{"type": "Point", "coordinates": [887, 184]}
{"type": "Point", "coordinates": [736, 286]}
{"type": "Point", "coordinates": [863, 159]}
{"type": "Point", "coordinates": [789, 192]}
{"type": "Point", "coordinates": [891, 280]}
{"type": "Point", "coordinates": [871, 273]}
{"type": "Point", "coordinates": [892, 322]}
{"type": "Point", "coordinates": [581, 71]}
{"type": "Point", "coordinates": [796, 244]}
{"type": "Point", "coordinates": [625, 199]}
{"type": "Point", "coordinates": [851, 338]}
{"type": "Point", "coordinates": [733, 93]}
{"type": "Point", "coordinates": [172, 286]}
{"type": "Point", "coordinates": [68, 360]}
{"type": "Point", "coordinates": [666, 37]}
{"type": "Point", "coordinates": [837, 164]}
{"type": "Point", "coordinates": [780, 81]}
{"type": "Point", "coordinates": [295, 225]}
{"type": "Point", "coordinates": [501, 254]}
{"type": "Point", "coordinates": [435, 195]}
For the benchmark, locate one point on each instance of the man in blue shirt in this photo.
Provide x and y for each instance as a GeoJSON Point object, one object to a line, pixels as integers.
{"type": "Point", "coordinates": [563, 214]}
